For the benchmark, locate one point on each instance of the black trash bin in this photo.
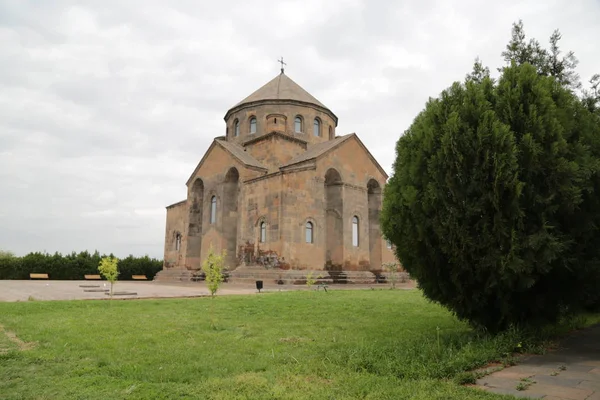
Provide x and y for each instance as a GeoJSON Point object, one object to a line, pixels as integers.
{"type": "Point", "coordinates": [259, 285]}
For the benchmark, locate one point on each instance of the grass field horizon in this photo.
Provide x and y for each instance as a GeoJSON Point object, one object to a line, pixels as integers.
{"type": "Point", "coordinates": [369, 344]}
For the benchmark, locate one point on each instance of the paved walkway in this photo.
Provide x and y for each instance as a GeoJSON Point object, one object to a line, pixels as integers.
{"type": "Point", "coordinates": [13, 290]}
{"type": "Point", "coordinates": [570, 373]}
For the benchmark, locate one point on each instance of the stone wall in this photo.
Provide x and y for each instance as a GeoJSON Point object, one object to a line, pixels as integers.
{"type": "Point", "coordinates": [274, 150]}
{"type": "Point", "coordinates": [176, 224]}
{"type": "Point", "coordinates": [328, 194]}
{"type": "Point", "coordinates": [261, 202]}
{"type": "Point", "coordinates": [303, 202]}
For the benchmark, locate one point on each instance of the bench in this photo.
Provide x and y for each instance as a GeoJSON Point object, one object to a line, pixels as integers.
{"type": "Point", "coordinates": [38, 276]}
{"type": "Point", "coordinates": [92, 277]}
{"type": "Point", "coordinates": [139, 277]}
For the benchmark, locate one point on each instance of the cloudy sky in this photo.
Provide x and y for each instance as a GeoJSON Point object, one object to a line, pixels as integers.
{"type": "Point", "coordinates": [107, 106]}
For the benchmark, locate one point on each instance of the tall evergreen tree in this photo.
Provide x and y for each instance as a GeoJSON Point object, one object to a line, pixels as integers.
{"type": "Point", "coordinates": [493, 202]}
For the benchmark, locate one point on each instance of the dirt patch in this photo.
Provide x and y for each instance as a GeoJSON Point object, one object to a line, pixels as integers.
{"type": "Point", "coordinates": [12, 337]}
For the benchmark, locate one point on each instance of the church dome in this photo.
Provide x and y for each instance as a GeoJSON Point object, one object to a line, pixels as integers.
{"type": "Point", "coordinates": [278, 90]}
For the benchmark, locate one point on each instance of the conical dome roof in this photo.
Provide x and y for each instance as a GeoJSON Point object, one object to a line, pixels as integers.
{"type": "Point", "coordinates": [281, 88]}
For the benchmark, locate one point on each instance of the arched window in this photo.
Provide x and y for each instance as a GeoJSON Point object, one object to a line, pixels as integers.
{"type": "Point", "coordinates": [330, 133]}
{"type": "Point", "coordinates": [309, 232]}
{"type": "Point", "coordinates": [253, 125]}
{"type": "Point", "coordinates": [298, 124]}
{"type": "Point", "coordinates": [178, 241]}
{"type": "Point", "coordinates": [355, 231]}
{"type": "Point", "coordinates": [236, 128]}
{"type": "Point", "coordinates": [213, 209]}
{"type": "Point", "coordinates": [317, 127]}
{"type": "Point", "coordinates": [263, 232]}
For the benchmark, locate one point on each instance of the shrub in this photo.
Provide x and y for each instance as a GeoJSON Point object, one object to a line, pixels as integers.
{"type": "Point", "coordinates": [108, 267]}
{"type": "Point", "coordinates": [73, 266]}
{"type": "Point", "coordinates": [213, 270]}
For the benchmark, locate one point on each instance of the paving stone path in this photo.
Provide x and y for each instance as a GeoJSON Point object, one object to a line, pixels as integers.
{"type": "Point", "coordinates": [571, 373]}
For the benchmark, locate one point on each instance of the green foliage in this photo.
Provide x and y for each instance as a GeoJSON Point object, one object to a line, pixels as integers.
{"type": "Point", "coordinates": [493, 203]}
{"type": "Point", "coordinates": [109, 268]}
{"type": "Point", "coordinates": [10, 265]}
{"type": "Point", "coordinates": [73, 266]}
{"type": "Point", "coordinates": [311, 279]}
{"type": "Point", "coordinates": [525, 383]}
{"type": "Point", "coordinates": [548, 62]}
{"type": "Point", "coordinates": [6, 254]}
{"type": "Point", "coordinates": [269, 346]}
{"type": "Point", "coordinates": [465, 378]}
{"type": "Point", "coordinates": [392, 268]}
{"type": "Point", "coordinates": [213, 268]}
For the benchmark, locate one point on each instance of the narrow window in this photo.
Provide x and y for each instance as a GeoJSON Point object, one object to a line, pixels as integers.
{"type": "Point", "coordinates": [330, 133]}
{"type": "Point", "coordinates": [317, 127]}
{"type": "Point", "coordinates": [298, 124]}
{"type": "Point", "coordinates": [178, 242]}
{"type": "Point", "coordinates": [252, 125]}
{"type": "Point", "coordinates": [263, 232]}
{"type": "Point", "coordinates": [355, 231]}
{"type": "Point", "coordinates": [213, 209]}
{"type": "Point", "coordinates": [309, 232]}
{"type": "Point", "coordinates": [236, 128]}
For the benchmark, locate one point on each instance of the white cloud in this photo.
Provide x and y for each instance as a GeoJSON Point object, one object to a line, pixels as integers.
{"type": "Point", "coordinates": [106, 107]}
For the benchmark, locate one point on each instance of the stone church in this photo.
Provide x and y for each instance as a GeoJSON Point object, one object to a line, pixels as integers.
{"type": "Point", "coordinates": [283, 191]}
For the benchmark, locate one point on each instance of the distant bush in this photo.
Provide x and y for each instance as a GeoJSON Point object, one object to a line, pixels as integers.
{"type": "Point", "coordinates": [72, 266]}
{"type": "Point", "coordinates": [6, 254]}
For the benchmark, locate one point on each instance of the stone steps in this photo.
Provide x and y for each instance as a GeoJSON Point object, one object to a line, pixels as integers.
{"type": "Point", "coordinates": [251, 274]}
{"type": "Point", "coordinates": [298, 277]}
{"type": "Point", "coordinates": [174, 275]}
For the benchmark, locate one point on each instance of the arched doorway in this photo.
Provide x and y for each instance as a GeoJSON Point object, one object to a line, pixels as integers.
{"type": "Point", "coordinates": [194, 241]}
{"type": "Point", "coordinates": [334, 224]}
{"type": "Point", "coordinates": [230, 214]}
{"type": "Point", "coordinates": [374, 204]}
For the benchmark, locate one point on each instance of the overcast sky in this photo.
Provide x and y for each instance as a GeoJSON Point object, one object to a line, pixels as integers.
{"type": "Point", "coordinates": [106, 107]}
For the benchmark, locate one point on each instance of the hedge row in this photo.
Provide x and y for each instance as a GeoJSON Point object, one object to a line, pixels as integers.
{"type": "Point", "coordinates": [73, 266]}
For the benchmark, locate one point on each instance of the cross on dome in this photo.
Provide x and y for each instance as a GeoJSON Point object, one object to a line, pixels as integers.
{"type": "Point", "coordinates": [282, 64]}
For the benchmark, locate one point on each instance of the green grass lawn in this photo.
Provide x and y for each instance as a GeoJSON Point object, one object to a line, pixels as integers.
{"type": "Point", "coordinates": [289, 345]}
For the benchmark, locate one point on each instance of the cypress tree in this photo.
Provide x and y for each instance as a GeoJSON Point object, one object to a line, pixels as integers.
{"type": "Point", "coordinates": [493, 204]}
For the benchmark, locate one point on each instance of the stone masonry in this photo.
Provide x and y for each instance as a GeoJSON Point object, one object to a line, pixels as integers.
{"type": "Point", "coordinates": [280, 185]}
